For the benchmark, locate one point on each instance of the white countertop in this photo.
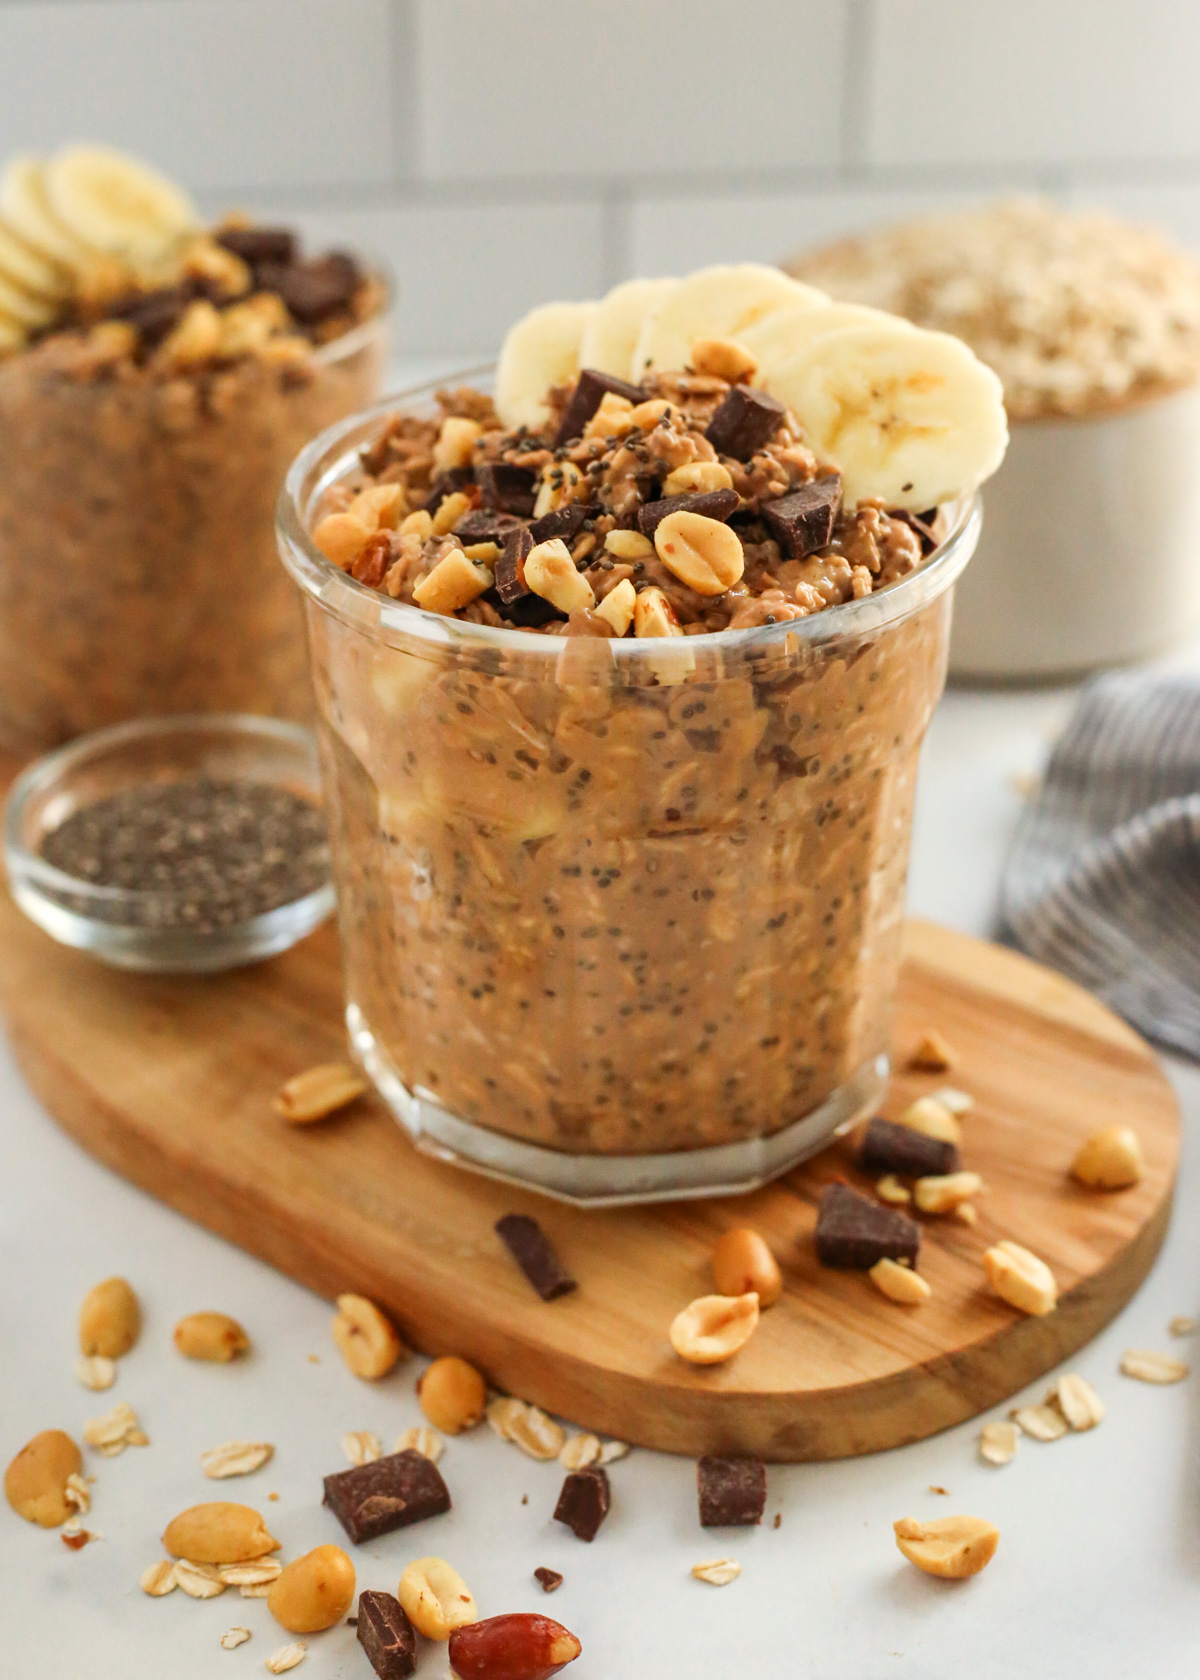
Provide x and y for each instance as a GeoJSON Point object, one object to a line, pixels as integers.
{"type": "Point", "coordinates": [1098, 1570]}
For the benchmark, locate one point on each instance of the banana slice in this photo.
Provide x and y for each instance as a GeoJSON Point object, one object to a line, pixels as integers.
{"type": "Point", "coordinates": [716, 302]}
{"type": "Point", "coordinates": [116, 205]}
{"type": "Point", "coordinates": [27, 268]}
{"type": "Point", "coordinates": [19, 305]}
{"type": "Point", "coordinates": [12, 335]}
{"type": "Point", "coordinates": [541, 350]}
{"type": "Point", "coordinates": [609, 337]}
{"type": "Point", "coordinates": [909, 415]}
{"type": "Point", "coordinates": [26, 209]}
{"type": "Point", "coordinates": [788, 331]}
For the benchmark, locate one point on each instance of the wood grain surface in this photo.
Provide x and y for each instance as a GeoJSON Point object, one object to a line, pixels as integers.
{"type": "Point", "coordinates": [170, 1082]}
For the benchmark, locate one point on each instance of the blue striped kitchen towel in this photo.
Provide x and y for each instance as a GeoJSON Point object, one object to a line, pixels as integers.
{"type": "Point", "coordinates": [1103, 881]}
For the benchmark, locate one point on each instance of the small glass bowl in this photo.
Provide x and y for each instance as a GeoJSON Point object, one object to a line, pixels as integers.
{"type": "Point", "coordinates": [106, 920]}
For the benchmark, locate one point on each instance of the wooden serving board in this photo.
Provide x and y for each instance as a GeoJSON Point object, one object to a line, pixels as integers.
{"type": "Point", "coordinates": [170, 1083]}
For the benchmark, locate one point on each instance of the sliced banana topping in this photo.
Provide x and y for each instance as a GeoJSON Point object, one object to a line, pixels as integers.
{"type": "Point", "coordinates": [21, 306]}
{"type": "Point", "coordinates": [720, 302]}
{"type": "Point", "coordinates": [541, 350]}
{"type": "Point", "coordinates": [26, 209]}
{"type": "Point", "coordinates": [788, 331]}
{"type": "Point", "coordinates": [908, 415]}
{"type": "Point", "coordinates": [27, 268]}
{"type": "Point", "coordinates": [612, 332]}
{"type": "Point", "coordinates": [114, 204]}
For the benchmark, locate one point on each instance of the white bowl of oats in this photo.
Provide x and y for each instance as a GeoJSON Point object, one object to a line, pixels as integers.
{"type": "Point", "coordinates": [1088, 556]}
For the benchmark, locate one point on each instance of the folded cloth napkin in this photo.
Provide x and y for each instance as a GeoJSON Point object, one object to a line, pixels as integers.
{"type": "Point", "coordinates": [1103, 881]}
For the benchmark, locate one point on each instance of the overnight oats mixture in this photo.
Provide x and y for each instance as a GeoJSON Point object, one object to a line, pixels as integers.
{"type": "Point", "coordinates": [156, 377]}
{"type": "Point", "coordinates": [620, 883]}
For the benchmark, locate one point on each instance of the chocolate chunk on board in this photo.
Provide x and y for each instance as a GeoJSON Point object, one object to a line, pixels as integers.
{"type": "Point", "coordinates": [564, 522]}
{"type": "Point", "coordinates": [590, 390]}
{"type": "Point", "coordinates": [533, 1251]}
{"type": "Point", "coordinates": [887, 1147]}
{"type": "Point", "coordinates": [257, 245]}
{"type": "Point", "coordinates": [733, 1492]}
{"type": "Point", "coordinates": [584, 1501]}
{"type": "Point", "coordinates": [802, 521]}
{"type": "Point", "coordinates": [713, 504]}
{"type": "Point", "coordinates": [854, 1232]}
{"type": "Point", "coordinates": [509, 488]}
{"type": "Point", "coordinates": [387, 1636]}
{"type": "Point", "coordinates": [373, 1499]}
{"type": "Point", "coordinates": [548, 1579]}
{"type": "Point", "coordinates": [744, 420]}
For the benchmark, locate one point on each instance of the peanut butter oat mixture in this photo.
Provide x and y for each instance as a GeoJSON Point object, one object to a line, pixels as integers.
{"type": "Point", "coordinates": [625, 908]}
{"type": "Point", "coordinates": [1078, 312]}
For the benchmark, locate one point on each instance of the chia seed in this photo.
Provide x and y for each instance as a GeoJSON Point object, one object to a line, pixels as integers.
{"type": "Point", "coordinates": [207, 853]}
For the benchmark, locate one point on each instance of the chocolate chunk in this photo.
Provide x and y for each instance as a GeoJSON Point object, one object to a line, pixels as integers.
{"type": "Point", "coordinates": [510, 567]}
{"type": "Point", "coordinates": [921, 523]}
{"type": "Point", "coordinates": [853, 1231]}
{"type": "Point", "coordinates": [713, 504]}
{"type": "Point", "coordinates": [584, 1501]}
{"type": "Point", "coordinates": [484, 525]}
{"type": "Point", "coordinates": [564, 522]}
{"type": "Point", "coordinates": [446, 484]}
{"type": "Point", "coordinates": [531, 1248]}
{"type": "Point", "coordinates": [257, 245]}
{"type": "Point", "coordinates": [511, 489]}
{"type": "Point", "coordinates": [733, 1492]}
{"type": "Point", "coordinates": [889, 1148]}
{"type": "Point", "coordinates": [373, 1499]}
{"type": "Point", "coordinates": [548, 1579]}
{"type": "Point", "coordinates": [154, 314]}
{"type": "Point", "coordinates": [528, 613]}
{"type": "Point", "coordinates": [386, 1635]}
{"type": "Point", "coordinates": [802, 521]}
{"type": "Point", "coordinates": [590, 390]}
{"type": "Point", "coordinates": [315, 289]}
{"type": "Point", "coordinates": [744, 420]}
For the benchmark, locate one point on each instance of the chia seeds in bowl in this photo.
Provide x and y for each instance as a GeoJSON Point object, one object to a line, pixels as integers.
{"type": "Point", "coordinates": [183, 845]}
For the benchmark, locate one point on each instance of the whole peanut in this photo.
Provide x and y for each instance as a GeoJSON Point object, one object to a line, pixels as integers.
{"type": "Point", "coordinates": [435, 1599]}
{"type": "Point", "coordinates": [1110, 1160]}
{"type": "Point", "coordinates": [210, 1335]}
{"type": "Point", "coordinates": [365, 1338]}
{"type": "Point", "coordinates": [742, 1262]}
{"type": "Point", "coordinates": [314, 1591]}
{"type": "Point", "coordinates": [109, 1319]}
{"type": "Point", "coordinates": [453, 1395]}
{"type": "Point", "coordinates": [519, 1646]}
{"type": "Point", "coordinates": [35, 1483]}
{"type": "Point", "coordinates": [218, 1532]}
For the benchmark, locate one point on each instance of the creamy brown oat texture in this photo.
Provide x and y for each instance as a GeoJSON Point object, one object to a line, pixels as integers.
{"type": "Point", "coordinates": [626, 910]}
{"type": "Point", "coordinates": [1077, 311]}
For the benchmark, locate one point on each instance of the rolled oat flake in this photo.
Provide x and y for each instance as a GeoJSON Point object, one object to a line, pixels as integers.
{"type": "Point", "coordinates": [206, 853]}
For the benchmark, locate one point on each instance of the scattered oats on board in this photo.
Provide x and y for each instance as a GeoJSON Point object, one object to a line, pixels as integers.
{"type": "Point", "coordinates": [1182, 1326]}
{"type": "Point", "coordinates": [115, 1431]}
{"type": "Point", "coordinates": [1040, 1423]}
{"type": "Point", "coordinates": [257, 1573]}
{"type": "Point", "coordinates": [1077, 1400]}
{"type": "Point", "coordinates": [235, 1637]}
{"type": "Point", "coordinates": [159, 1579]}
{"type": "Point", "coordinates": [718, 1572]}
{"type": "Point", "coordinates": [611, 1451]}
{"type": "Point", "coordinates": [287, 1656]}
{"type": "Point", "coordinates": [96, 1372]}
{"type": "Point", "coordinates": [198, 1580]}
{"type": "Point", "coordinates": [1151, 1367]}
{"type": "Point", "coordinates": [525, 1426]}
{"type": "Point", "coordinates": [579, 1451]}
{"type": "Point", "coordinates": [362, 1446]}
{"type": "Point", "coordinates": [235, 1458]}
{"type": "Point", "coordinates": [958, 1102]}
{"type": "Point", "coordinates": [998, 1443]}
{"type": "Point", "coordinates": [420, 1438]}
{"type": "Point", "coordinates": [78, 1494]}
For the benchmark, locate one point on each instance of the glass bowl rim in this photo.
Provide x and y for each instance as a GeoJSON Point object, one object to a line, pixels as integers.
{"type": "Point", "coordinates": [367, 610]}
{"type": "Point", "coordinates": [57, 766]}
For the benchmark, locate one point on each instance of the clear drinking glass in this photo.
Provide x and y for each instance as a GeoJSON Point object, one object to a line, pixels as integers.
{"type": "Point", "coordinates": [138, 573]}
{"type": "Point", "coordinates": [620, 920]}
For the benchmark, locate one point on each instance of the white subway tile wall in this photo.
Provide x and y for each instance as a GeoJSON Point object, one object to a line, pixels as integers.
{"type": "Point", "coordinates": [498, 152]}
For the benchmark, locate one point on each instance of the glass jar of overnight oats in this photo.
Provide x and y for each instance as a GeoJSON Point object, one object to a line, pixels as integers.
{"type": "Point", "coordinates": [620, 918]}
{"type": "Point", "coordinates": [138, 573]}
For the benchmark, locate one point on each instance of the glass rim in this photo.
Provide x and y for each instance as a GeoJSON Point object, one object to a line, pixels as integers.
{"type": "Point", "coordinates": [56, 766]}
{"type": "Point", "coordinates": [369, 611]}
